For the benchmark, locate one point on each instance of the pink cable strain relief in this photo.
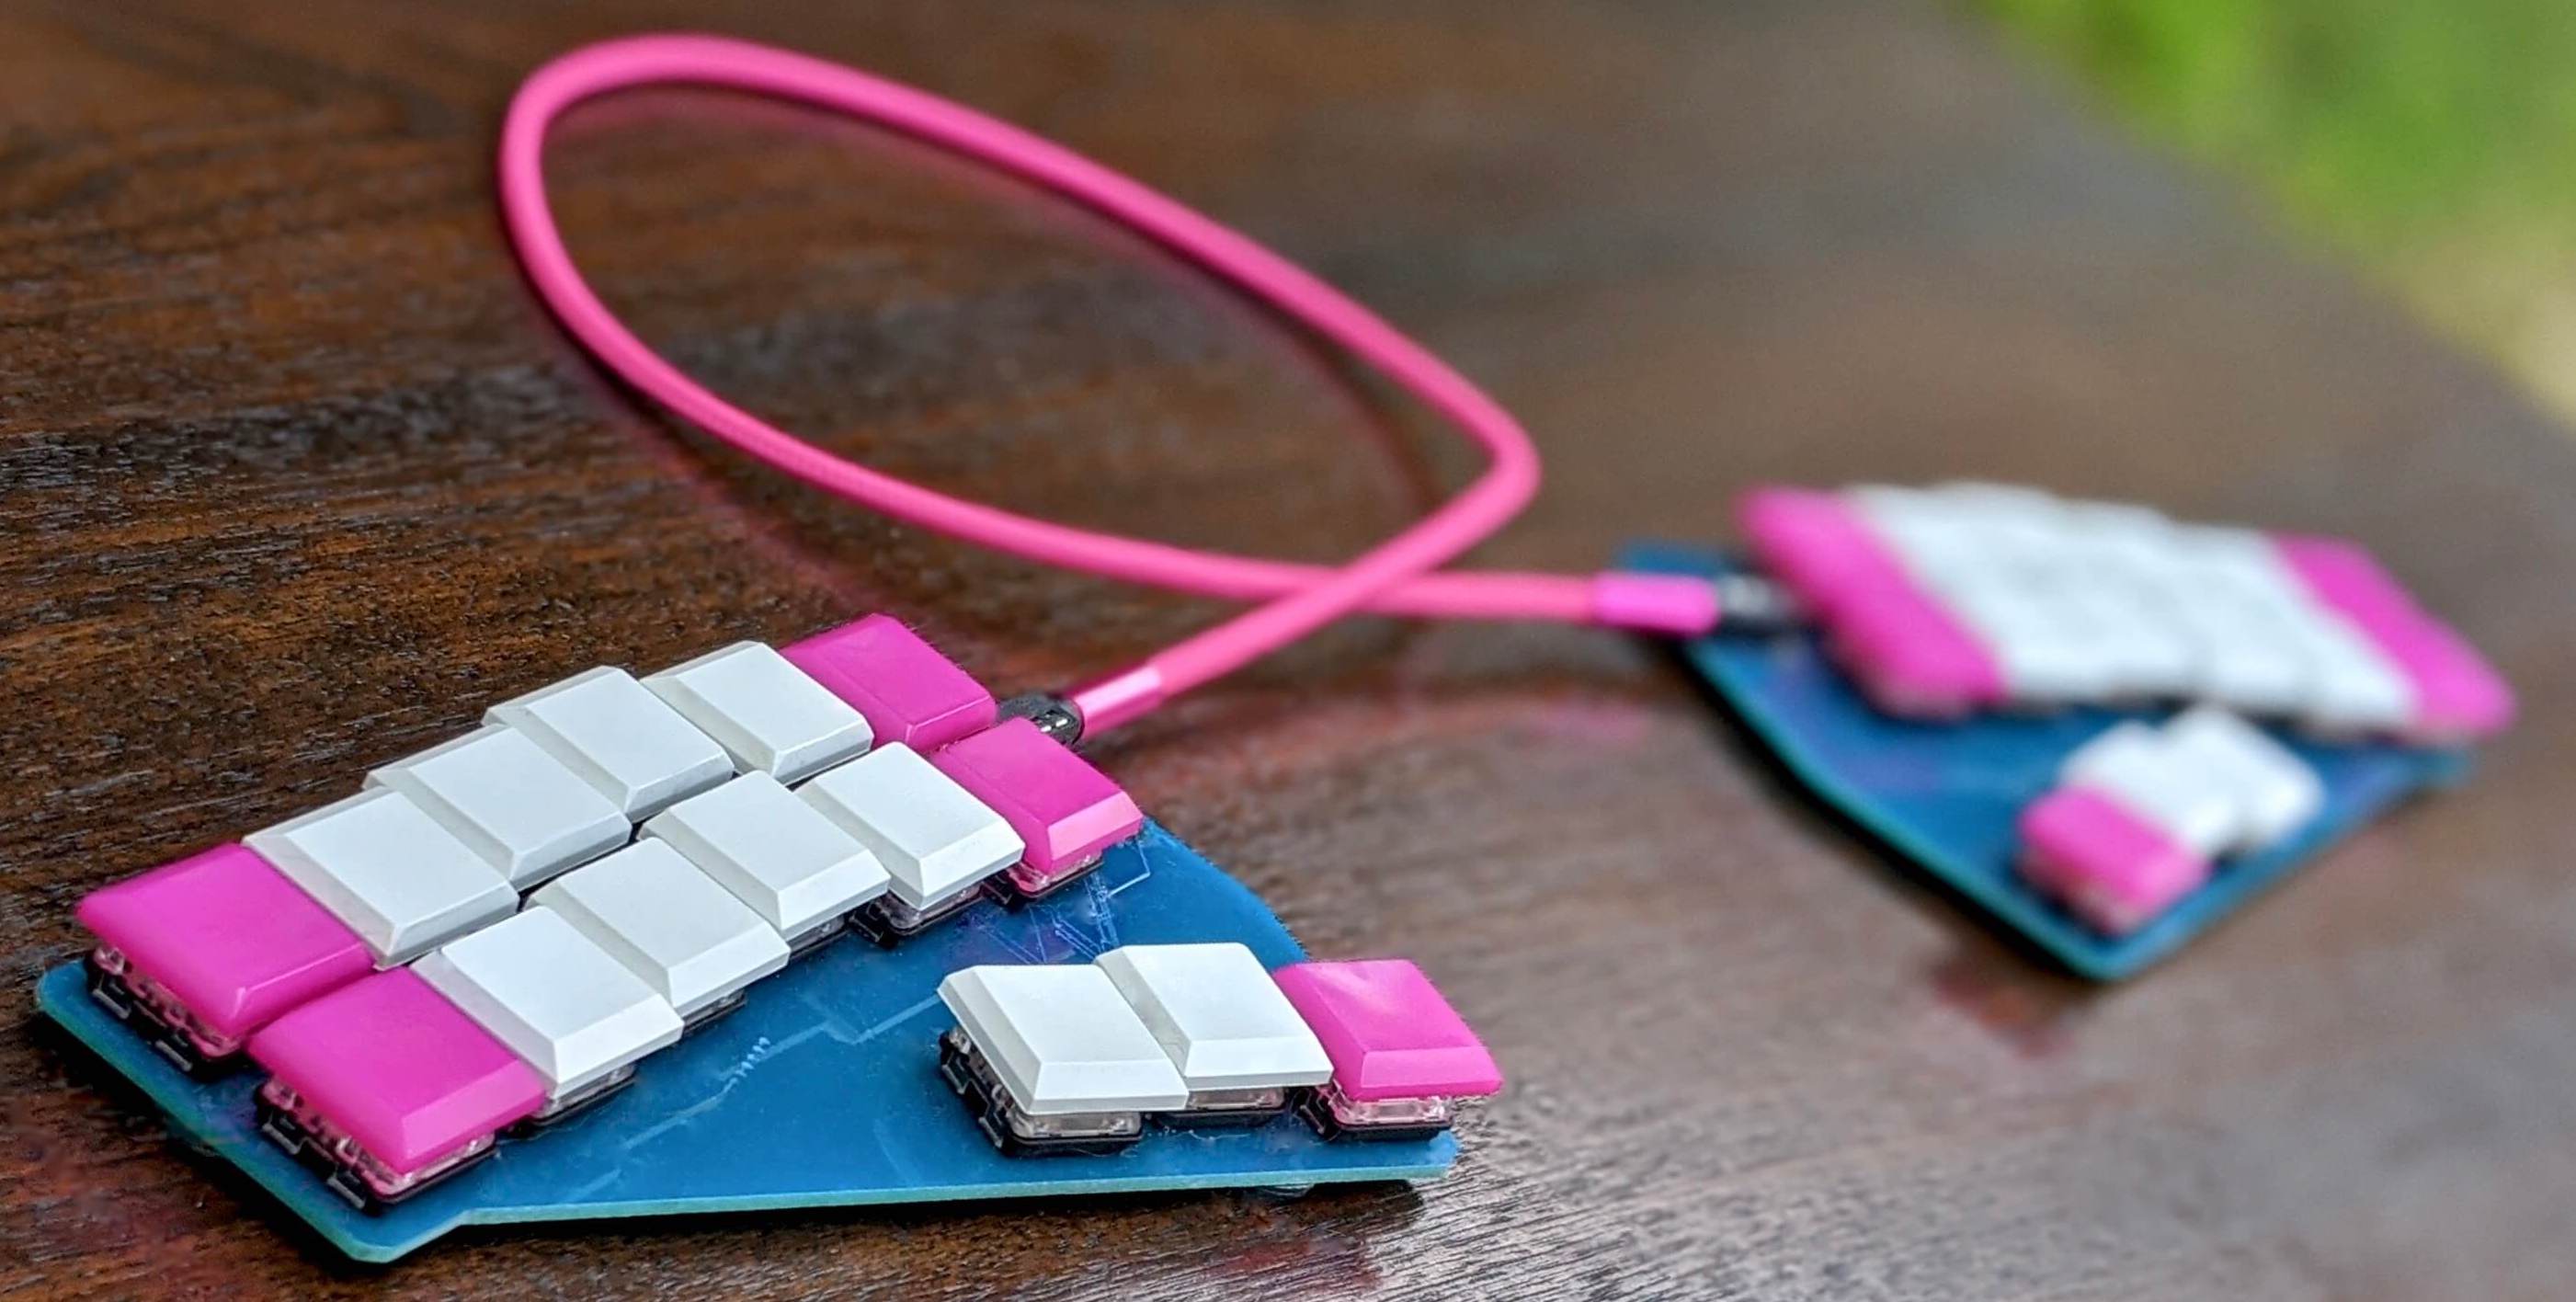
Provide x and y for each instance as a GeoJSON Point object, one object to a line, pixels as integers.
{"type": "Point", "coordinates": [1678, 604]}
{"type": "Point", "coordinates": [1115, 700]}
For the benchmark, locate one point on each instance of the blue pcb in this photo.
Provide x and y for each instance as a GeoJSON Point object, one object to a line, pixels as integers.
{"type": "Point", "coordinates": [823, 1091]}
{"type": "Point", "coordinates": [1946, 795]}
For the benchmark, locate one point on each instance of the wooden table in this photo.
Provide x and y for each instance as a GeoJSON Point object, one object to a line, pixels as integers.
{"type": "Point", "coordinates": [295, 477]}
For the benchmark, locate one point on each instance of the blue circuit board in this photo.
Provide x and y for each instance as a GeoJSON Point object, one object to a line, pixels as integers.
{"type": "Point", "coordinates": [822, 1091]}
{"type": "Point", "coordinates": [1946, 795]}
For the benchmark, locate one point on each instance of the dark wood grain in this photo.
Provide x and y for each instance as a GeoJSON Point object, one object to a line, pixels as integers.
{"type": "Point", "coordinates": [294, 477]}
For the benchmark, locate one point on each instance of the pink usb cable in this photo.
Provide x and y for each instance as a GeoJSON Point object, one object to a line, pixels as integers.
{"type": "Point", "coordinates": [1394, 577]}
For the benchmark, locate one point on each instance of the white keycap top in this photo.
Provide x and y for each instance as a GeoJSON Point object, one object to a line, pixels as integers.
{"type": "Point", "coordinates": [1218, 1015]}
{"type": "Point", "coordinates": [388, 872]}
{"type": "Point", "coordinates": [2241, 559]}
{"type": "Point", "coordinates": [2276, 791]}
{"type": "Point", "coordinates": [670, 924]}
{"type": "Point", "coordinates": [2352, 687]}
{"type": "Point", "coordinates": [2044, 654]}
{"type": "Point", "coordinates": [2006, 502]}
{"type": "Point", "coordinates": [936, 839]}
{"type": "Point", "coordinates": [512, 803]}
{"type": "Point", "coordinates": [793, 866]}
{"type": "Point", "coordinates": [769, 715]}
{"type": "Point", "coordinates": [2249, 652]}
{"type": "Point", "coordinates": [2135, 765]}
{"type": "Point", "coordinates": [1938, 547]}
{"type": "Point", "coordinates": [1062, 1040]}
{"type": "Point", "coordinates": [555, 999]}
{"type": "Point", "coordinates": [2123, 528]}
{"type": "Point", "coordinates": [621, 739]}
{"type": "Point", "coordinates": [2148, 657]}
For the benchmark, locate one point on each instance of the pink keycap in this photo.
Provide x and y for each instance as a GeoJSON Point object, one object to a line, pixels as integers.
{"type": "Point", "coordinates": [230, 936]}
{"type": "Point", "coordinates": [1910, 655]}
{"type": "Point", "coordinates": [2459, 695]}
{"type": "Point", "coordinates": [906, 691]}
{"type": "Point", "coordinates": [1388, 1032]}
{"type": "Point", "coordinates": [1065, 811]}
{"type": "Point", "coordinates": [2109, 866]}
{"type": "Point", "coordinates": [396, 1066]}
{"type": "Point", "coordinates": [1814, 543]}
{"type": "Point", "coordinates": [1906, 648]}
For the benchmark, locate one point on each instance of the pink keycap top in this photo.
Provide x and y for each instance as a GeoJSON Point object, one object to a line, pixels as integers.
{"type": "Point", "coordinates": [1903, 645]}
{"type": "Point", "coordinates": [1912, 656]}
{"type": "Point", "coordinates": [1814, 543]}
{"type": "Point", "coordinates": [2109, 866]}
{"type": "Point", "coordinates": [906, 691]}
{"type": "Point", "coordinates": [2459, 696]}
{"type": "Point", "coordinates": [395, 1065]}
{"type": "Point", "coordinates": [229, 935]}
{"type": "Point", "coordinates": [1388, 1032]}
{"type": "Point", "coordinates": [1065, 811]}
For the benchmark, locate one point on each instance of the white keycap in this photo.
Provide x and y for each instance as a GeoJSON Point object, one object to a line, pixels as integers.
{"type": "Point", "coordinates": [2115, 748]}
{"type": "Point", "coordinates": [2348, 686]}
{"type": "Point", "coordinates": [2134, 764]}
{"type": "Point", "coordinates": [2245, 558]}
{"type": "Point", "coordinates": [2044, 656]}
{"type": "Point", "coordinates": [2124, 526]}
{"type": "Point", "coordinates": [388, 872]}
{"type": "Point", "coordinates": [621, 739]}
{"type": "Point", "coordinates": [1936, 540]}
{"type": "Point", "coordinates": [769, 715]}
{"type": "Point", "coordinates": [552, 997]}
{"type": "Point", "coordinates": [1062, 1040]}
{"type": "Point", "coordinates": [670, 924]}
{"type": "Point", "coordinates": [2223, 601]}
{"type": "Point", "coordinates": [2352, 687]}
{"type": "Point", "coordinates": [793, 866]}
{"type": "Point", "coordinates": [2125, 579]}
{"type": "Point", "coordinates": [1889, 504]}
{"type": "Point", "coordinates": [1936, 549]}
{"type": "Point", "coordinates": [1219, 1016]}
{"type": "Point", "coordinates": [2277, 793]}
{"type": "Point", "coordinates": [2249, 654]}
{"type": "Point", "coordinates": [2021, 545]}
{"type": "Point", "coordinates": [936, 839]}
{"type": "Point", "coordinates": [1993, 501]}
{"type": "Point", "coordinates": [2143, 653]}
{"type": "Point", "coordinates": [515, 805]}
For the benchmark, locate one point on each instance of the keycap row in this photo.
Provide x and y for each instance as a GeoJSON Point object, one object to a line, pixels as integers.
{"type": "Point", "coordinates": [1079, 1058]}
{"type": "Point", "coordinates": [615, 961]}
{"type": "Point", "coordinates": [386, 1082]}
{"type": "Point", "coordinates": [407, 1077]}
{"type": "Point", "coordinates": [2143, 814]}
{"type": "Point", "coordinates": [1957, 598]}
{"type": "Point", "coordinates": [909, 796]}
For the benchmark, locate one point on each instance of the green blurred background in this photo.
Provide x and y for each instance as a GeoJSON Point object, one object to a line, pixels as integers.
{"type": "Point", "coordinates": [2433, 141]}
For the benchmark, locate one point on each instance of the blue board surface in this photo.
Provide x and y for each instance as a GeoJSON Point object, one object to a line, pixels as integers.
{"type": "Point", "coordinates": [822, 1091]}
{"type": "Point", "coordinates": [1946, 795]}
